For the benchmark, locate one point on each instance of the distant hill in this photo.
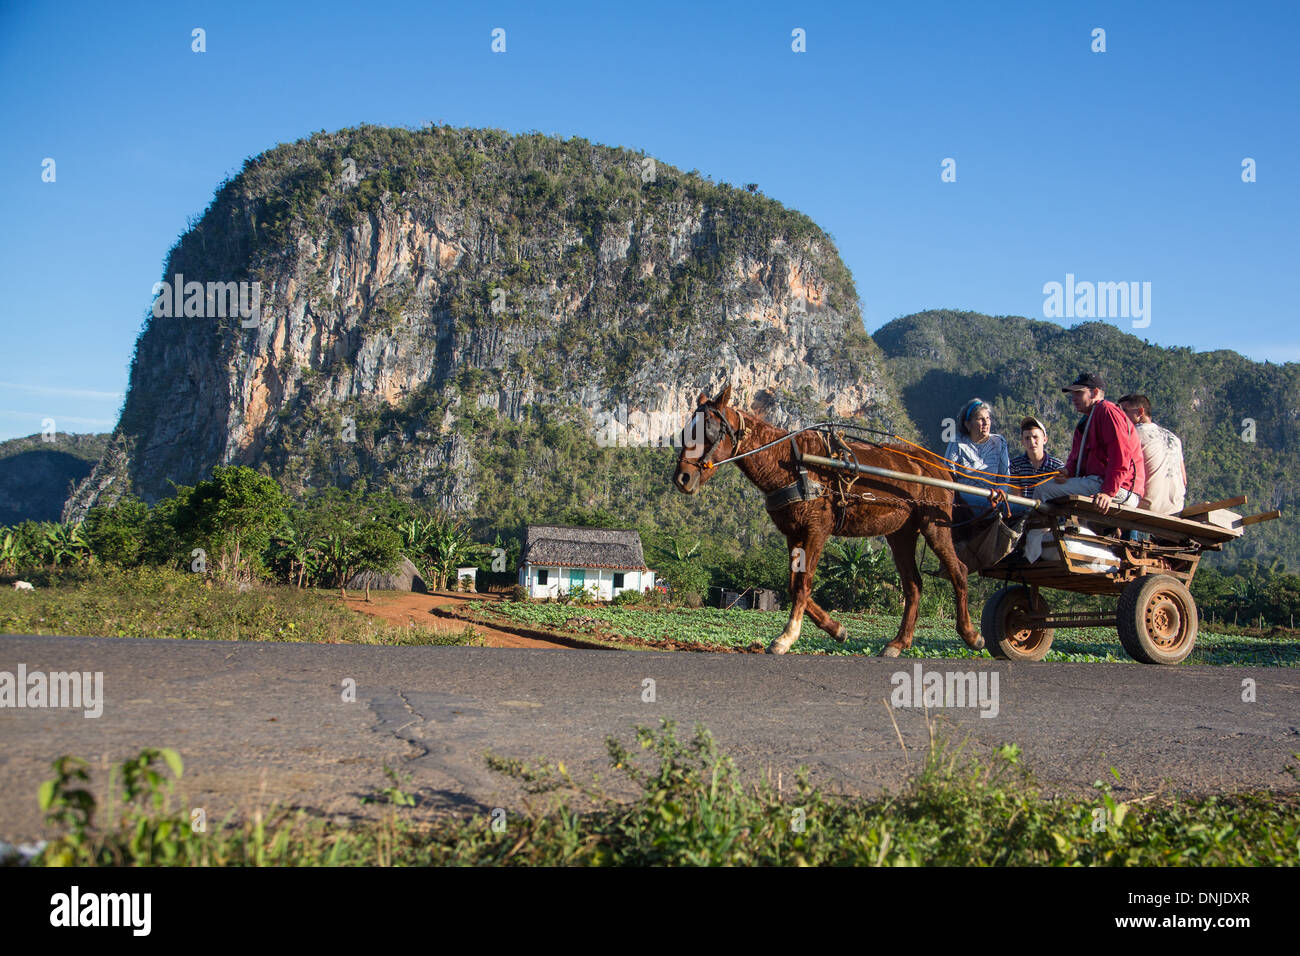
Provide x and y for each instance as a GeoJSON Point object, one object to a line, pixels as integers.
{"type": "Point", "coordinates": [36, 476]}
{"type": "Point", "coordinates": [938, 360]}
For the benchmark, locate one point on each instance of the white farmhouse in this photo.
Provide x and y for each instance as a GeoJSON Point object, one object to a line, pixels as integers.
{"type": "Point", "coordinates": [557, 559]}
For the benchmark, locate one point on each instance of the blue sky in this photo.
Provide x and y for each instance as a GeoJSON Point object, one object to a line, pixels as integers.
{"type": "Point", "coordinates": [1115, 166]}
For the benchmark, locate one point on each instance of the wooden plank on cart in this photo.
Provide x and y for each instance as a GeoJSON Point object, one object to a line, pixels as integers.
{"type": "Point", "coordinates": [1205, 507]}
{"type": "Point", "coordinates": [1138, 519]}
{"type": "Point", "coordinates": [1222, 518]}
{"type": "Point", "coordinates": [1262, 516]}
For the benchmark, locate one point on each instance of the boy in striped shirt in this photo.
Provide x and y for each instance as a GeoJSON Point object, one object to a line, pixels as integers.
{"type": "Point", "coordinates": [1035, 464]}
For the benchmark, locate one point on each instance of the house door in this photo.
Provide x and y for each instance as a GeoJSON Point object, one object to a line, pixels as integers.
{"type": "Point", "coordinates": [577, 578]}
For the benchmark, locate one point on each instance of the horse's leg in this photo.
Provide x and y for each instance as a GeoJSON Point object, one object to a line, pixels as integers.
{"type": "Point", "coordinates": [827, 623]}
{"type": "Point", "coordinates": [805, 548]}
{"type": "Point", "coordinates": [939, 537]}
{"type": "Point", "coordinates": [903, 545]}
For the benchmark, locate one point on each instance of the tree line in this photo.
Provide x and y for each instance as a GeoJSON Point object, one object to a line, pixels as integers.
{"type": "Point", "coordinates": [239, 527]}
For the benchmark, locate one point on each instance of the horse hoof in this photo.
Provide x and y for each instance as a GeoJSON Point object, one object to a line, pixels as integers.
{"type": "Point", "coordinates": [842, 635]}
{"type": "Point", "coordinates": [978, 645]}
{"type": "Point", "coordinates": [776, 647]}
{"type": "Point", "coordinates": [889, 651]}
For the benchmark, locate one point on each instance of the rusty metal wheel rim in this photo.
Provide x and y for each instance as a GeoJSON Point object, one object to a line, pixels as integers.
{"type": "Point", "coordinates": [1025, 639]}
{"type": "Point", "coordinates": [1167, 622]}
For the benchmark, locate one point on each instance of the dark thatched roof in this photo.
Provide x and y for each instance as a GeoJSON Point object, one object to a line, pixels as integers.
{"type": "Point", "coordinates": [583, 547]}
{"type": "Point", "coordinates": [405, 578]}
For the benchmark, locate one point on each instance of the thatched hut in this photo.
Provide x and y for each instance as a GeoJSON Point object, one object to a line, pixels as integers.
{"type": "Point", "coordinates": [405, 578]}
{"type": "Point", "coordinates": [558, 559]}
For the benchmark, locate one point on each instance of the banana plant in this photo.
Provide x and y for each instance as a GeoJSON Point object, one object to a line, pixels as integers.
{"type": "Point", "coordinates": [417, 533]}
{"type": "Point", "coordinates": [680, 553]}
{"type": "Point", "coordinates": [11, 552]}
{"type": "Point", "coordinates": [65, 541]}
{"type": "Point", "coordinates": [448, 547]}
{"type": "Point", "coordinates": [297, 548]}
{"type": "Point", "coordinates": [338, 552]}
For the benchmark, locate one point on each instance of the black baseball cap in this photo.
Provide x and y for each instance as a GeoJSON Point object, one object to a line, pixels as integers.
{"type": "Point", "coordinates": [1086, 380]}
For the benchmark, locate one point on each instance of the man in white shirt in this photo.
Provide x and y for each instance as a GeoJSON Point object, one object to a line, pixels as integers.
{"type": "Point", "coordinates": [1166, 488]}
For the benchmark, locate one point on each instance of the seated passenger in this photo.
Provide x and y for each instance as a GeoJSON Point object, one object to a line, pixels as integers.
{"type": "Point", "coordinates": [978, 450]}
{"type": "Point", "coordinates": [1162, 451]}
{"type": "Point", "coordinates": [1105, 460]}
{"type": "Point", "coordinates": [1035, 464]}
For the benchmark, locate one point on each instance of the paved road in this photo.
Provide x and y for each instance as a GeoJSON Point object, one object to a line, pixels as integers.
{"type": "Point", "coordinates": [262, 722]}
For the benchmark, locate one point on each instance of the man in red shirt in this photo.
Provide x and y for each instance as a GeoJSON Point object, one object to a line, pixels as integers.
{"type": "Point", "coordinates": [1106, 458]}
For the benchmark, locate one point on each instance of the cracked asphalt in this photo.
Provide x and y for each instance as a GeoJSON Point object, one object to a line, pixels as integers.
{"type": "Point", "coordinates": [263, 723]}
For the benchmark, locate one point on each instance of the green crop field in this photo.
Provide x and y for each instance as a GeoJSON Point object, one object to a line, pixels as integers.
{"type": "Point", "coordinates": [935, 637]}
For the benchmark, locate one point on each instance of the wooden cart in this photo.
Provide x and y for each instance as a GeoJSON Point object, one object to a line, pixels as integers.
{"type": "Point", "coordinates": [1156, 616]}
{"type": "Point", "coordinates": [1087, 551]}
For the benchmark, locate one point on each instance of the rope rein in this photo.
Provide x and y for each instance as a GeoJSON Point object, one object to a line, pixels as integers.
{"type": "Point", "coordinates": [825, 429]}
{"type": "Point", "coordinates": [833, 440]}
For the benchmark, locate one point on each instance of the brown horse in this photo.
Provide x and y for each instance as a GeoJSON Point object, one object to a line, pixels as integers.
{"type": "Point", "coordinates": [827, 503]}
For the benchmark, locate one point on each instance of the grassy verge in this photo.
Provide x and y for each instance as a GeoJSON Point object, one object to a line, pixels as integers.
{"type": "Point", "coordinates": [162, 603]}
{"type": "Point", "coordinates": [868, 633]}
{"type": "Point", "coordinates": [692, 808]}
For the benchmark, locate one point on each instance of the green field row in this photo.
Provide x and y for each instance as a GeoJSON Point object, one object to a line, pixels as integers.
{"type": "Point", "coordinates": [868, 633]}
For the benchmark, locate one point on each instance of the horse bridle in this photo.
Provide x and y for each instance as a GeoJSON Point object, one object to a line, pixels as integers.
{"type": "Point", "coordinates": [737, 436]}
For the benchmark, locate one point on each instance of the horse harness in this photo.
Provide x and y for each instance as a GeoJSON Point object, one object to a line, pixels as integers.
{"type": "Point", "coordinates": [736, 435]}
{"type": "Point", "coordinates": [807, 488]}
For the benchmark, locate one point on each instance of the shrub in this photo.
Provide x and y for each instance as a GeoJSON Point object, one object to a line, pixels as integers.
{"type": "Point", "coordinates": [519, 593]}
{"type": "Point", "coordinates": [692, 599]}
{"type": "Point", "coordinates": [628, 597]}
{"type": "Point", "coordinates": [655, 597]}
{"type": "Point", "coordinates": [583, 595]}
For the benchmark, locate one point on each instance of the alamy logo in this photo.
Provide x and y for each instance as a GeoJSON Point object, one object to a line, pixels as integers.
{"type": "Point", "coordinates": [1098, 300]}
{"type": "Point", "coordinates": [924, 688]}
{"type": "Point", "coordinates": [208, 300]}
{"type": "Point", "coordinates": [635, 428]}
{"type": "Point", "coordinates": [77, 689]}
{"type": "Point", "coordinates": [102, 909]}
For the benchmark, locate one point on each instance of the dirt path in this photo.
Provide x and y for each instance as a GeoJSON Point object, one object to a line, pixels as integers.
{"type": "Point", "coordinates": [403, 607]}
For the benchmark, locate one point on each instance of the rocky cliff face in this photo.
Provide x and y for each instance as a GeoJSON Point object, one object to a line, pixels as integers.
{"type": "Point", "coordinates": [411, 281]}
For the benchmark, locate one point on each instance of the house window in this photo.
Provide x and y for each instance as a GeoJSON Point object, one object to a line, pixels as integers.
{"type": "Point", "coordinates": [618, 579]}
{"type": "Point", "coordinates": [541, 576]}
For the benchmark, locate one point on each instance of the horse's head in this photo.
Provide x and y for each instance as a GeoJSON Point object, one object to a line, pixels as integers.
{"type": "Point", "coordinates": [713, 433]}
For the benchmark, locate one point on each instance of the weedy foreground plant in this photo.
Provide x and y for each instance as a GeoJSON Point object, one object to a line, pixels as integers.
{"type": "Point", "coordinates": [690, 808]}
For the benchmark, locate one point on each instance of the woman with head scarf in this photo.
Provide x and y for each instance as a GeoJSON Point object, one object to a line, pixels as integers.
{"type": "Point", "coordinates": [978, 449]}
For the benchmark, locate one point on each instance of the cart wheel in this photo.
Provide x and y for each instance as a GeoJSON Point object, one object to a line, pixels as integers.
{"type": "Point", "coordinates": [1003, 636]}
{"type": "Point", "coordinates": [1157, 620]}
